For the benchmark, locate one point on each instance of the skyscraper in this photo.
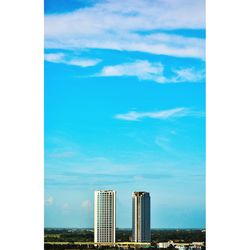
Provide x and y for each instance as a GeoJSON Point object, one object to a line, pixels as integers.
{"type": "Point", "coordinates": [105, 216]}
{"type": "Point", "coordinates": [141, 217]}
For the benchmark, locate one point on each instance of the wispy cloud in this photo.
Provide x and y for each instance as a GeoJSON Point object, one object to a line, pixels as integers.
{"type": "Point", "coordinates": [83, 62]}
{"type": "Point", "coordinates": [65, 205]}
{"type": "Point", "coordinates": [61, 155]}
{"type": "Point", "coordinates": [187, 75]}
{"type": "Point", "coordinates": [49, 201]}
{"type": "Point", "coordinates": [54, 57]}
{"type": "Point", "coordinates": [130, 25]}
{"type": "Point", "coordinates": [86, 204]}
{"type": "Point", "coordinates": [62, 58]}
{"type": "Point", "coordinates": [84, 180]}
{"type": "Point", "coordinates": [145, 70]}
{"type": "Point", "coordinates": [164, 143]}
{"type": "Point", "coordinates": [163, 114]}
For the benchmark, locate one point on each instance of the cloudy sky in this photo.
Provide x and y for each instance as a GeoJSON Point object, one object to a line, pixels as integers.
{"type": "Point", "coordinates": [125, 109]}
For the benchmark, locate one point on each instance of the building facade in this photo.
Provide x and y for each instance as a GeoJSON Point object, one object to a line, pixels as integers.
{"type": "Point", "coordinates": [104, 216]}
{"type": "Point", "coordinates": [165, 244]}
{"type": "Point", "coordinates": [141, 217]}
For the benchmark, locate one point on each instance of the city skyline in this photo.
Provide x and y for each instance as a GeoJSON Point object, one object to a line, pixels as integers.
{"type": "Point", "coordinates": [124, 109]}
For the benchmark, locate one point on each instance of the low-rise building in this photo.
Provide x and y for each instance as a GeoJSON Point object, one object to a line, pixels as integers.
{"type": "Point", "coordinates": [181, 246]}
{"type": "Point", "coordinates": [165, 244]}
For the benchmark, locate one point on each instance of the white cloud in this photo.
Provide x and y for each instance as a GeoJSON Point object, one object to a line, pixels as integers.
{"type": "Point", "coordinates": [163, 114]}
{"type": "Point", "coordinates": [60, 155]}
{"type": "Point", "coordinates": [86, 204]}
{"type": "Point", "coordinates": [138, 178]}
{"type": "Point", "coordinates": [62, 58]}
{"type": "Point", "coordinates": [130, 25]}
{"type": "Point", "coordinates": [54, 57]}
{"type": "Point", "coordinates": [84, 63]}
{"type": "Point", "coordinates": [187, 75]}
{"type": "Point", "coordinates": [145, 70]}
{"type": "Point", "coordinates": [164, 143]}
{"type": "Point", "coordinates": [49, 201]}
{"type": "Point", "coordinates": [65, 206]}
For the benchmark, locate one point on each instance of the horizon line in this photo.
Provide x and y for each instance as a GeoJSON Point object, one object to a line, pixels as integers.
{"type": "Point", "coordinates": [170, 228]}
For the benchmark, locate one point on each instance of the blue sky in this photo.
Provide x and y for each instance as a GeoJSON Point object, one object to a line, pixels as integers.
{"type": "Point", "coordinates": [125, 109]}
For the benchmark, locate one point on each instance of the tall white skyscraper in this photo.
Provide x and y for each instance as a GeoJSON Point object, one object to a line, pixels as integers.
{"type": "Point", "coordinates": [141, 217]}
{"type": "Point", "coordinates": [105, 216]}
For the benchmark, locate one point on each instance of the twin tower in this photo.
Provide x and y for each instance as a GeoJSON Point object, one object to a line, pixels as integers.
{"type": "Point", "coordinates": [105, 216]}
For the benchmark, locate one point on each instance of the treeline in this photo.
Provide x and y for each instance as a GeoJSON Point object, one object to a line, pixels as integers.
{"type": "Point", "coordinates": [124, 235]}
{"type": "Point", "coordinates": [68, 235]}
{"type": "Point", "coordinates": [183, 235]}
{"type": "Point", "coordinates": [73, 247]}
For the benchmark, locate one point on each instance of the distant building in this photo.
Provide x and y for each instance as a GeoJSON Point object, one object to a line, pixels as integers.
{"type": "Point", "coordinates": [105, 216]}
{"type": "Point", "coordinates": [141, 217]}
{"type": "Point", "coordinates": [182, 246]}
{"type": "Point", "coordinates": [165, 244]}
{"type": "Point", "coordinates": [188, 247]}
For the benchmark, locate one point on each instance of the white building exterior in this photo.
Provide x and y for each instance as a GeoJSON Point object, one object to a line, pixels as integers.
{"type": "Point", "coordinates": [141, 217]}
{"type": "Point", "coordinates": [181, 246]}
{"type": "Point", "coordinates": [165, 244]}
{"type": "Point", "coordinates": [104, 216]}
